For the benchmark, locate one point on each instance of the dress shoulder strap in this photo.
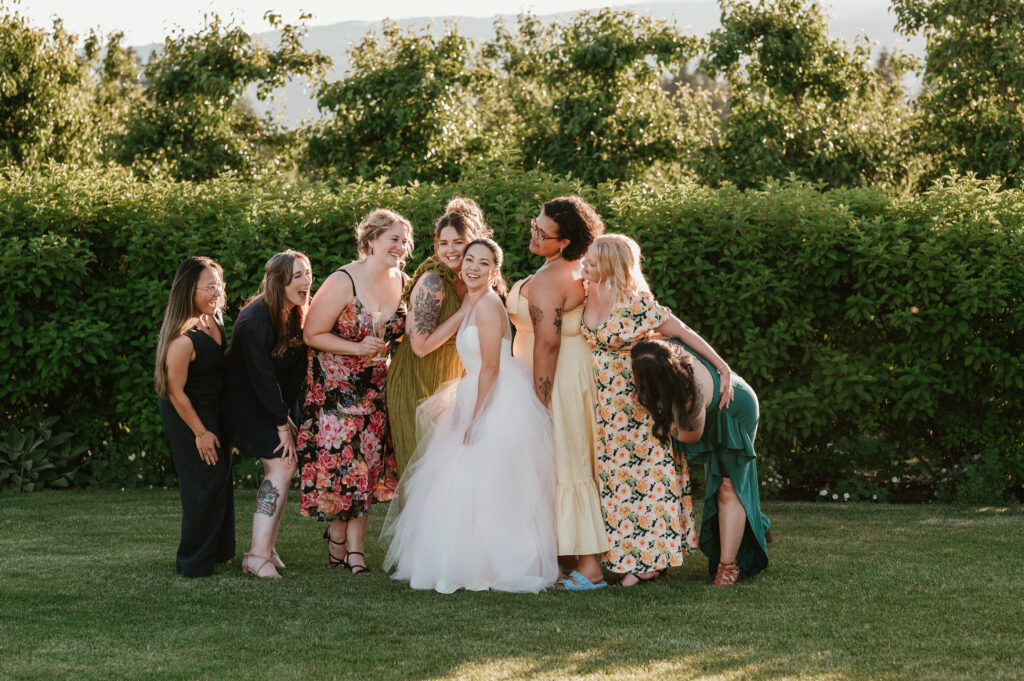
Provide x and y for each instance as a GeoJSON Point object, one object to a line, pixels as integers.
{"type": "Point", "coordinates": [347, 274]}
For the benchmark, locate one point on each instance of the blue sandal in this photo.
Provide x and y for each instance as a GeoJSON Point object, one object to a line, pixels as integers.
{"type": "Point", "coordinates": [578, 582]}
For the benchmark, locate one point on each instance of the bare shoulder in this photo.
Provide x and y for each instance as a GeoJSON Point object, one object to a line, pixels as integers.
{"type": "Point", "coordinates": [181, 348]}
{"type": "Point", "coordinates": [338, 286]}
{"type": "Point", "coordinates": [490, 309]}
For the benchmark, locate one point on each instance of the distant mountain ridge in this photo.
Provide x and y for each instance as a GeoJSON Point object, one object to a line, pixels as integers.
{"type": "Point", "coordinates": [296, 104]}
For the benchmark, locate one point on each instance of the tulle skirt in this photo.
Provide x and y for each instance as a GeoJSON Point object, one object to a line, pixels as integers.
{"type": "Point", "coordinates": [476, 510]}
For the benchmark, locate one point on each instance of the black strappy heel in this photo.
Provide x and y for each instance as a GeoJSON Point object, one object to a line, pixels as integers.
{"type": "Point", "coordinates": [356, 569]}
{"type": "Point", "coordinates": [331, 560]}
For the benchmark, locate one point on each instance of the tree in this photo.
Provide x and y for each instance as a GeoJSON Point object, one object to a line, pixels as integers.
{"type": "Point", "coordinates": [118, 86]}
{"type": "Point", "coordinates": [586, 98]}
{"type": "Point", "coordinates": [412, 108]}
{"type": "Point", "coordinates": [802, 103]}
{"type": "Point", "coordinates": [45, 95]}
{"type": "Point", "coordinates": [970, 116]}
{"type": "Point", "coordinates": [190, 125]}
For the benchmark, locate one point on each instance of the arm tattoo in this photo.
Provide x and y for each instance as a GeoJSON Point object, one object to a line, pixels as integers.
{"type": "Point", "coordinates": [536, 315]}
{"type": "Point", "coordinates": [266, 499]}
{"type": "Point", "coordinates": [544, 383]}
{"type": "Point", "coordinates": [558, 319]}
{"type": "Point", "coordinates": [427, 306]}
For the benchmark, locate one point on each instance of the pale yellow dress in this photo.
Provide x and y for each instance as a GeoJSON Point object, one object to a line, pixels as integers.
{"type": "Point", "coordinates": [581, 527]}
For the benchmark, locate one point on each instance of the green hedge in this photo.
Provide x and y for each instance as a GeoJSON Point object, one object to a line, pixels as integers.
{"type": "Point", "coordinates": [882, 334]}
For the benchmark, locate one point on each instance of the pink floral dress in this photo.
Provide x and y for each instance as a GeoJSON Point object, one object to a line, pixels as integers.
{"type": "Point", "coordinates": [645, 498]}
{"type": "Point", "coordinates": [344, 444]}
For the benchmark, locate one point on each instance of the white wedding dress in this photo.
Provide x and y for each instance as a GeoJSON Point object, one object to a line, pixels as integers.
{"type": "Point", "coordinates": [479, 515]}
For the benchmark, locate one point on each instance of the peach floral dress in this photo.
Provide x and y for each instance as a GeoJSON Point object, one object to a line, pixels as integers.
{"type": "Point", "coordinates": [645, 497]}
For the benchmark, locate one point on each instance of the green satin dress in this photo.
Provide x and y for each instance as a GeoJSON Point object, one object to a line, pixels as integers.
{"type": "Point", "coordinates": [727, 450]}
{"type": "Point", "coordinates": [412, 378]}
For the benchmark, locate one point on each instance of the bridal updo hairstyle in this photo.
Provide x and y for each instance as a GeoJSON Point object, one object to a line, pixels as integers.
{"type": "Point", "coordinates": [500, 287]}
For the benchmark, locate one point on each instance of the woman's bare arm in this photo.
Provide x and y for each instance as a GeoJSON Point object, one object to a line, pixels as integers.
{"type": "Point", "coordinates": [328, 303]}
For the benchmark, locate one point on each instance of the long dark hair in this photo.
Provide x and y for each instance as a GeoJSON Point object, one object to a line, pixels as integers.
{"type": "Point", "coordinates": [665, 385]}
{"type": "Point", "coordinates": [500, 287]}
{"type": "Point", "coordinates": [181, 308]}
{"type": "Point", "coordinates": [287, 324]}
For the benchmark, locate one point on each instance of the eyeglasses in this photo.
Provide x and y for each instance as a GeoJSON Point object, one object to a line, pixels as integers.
{"type": "Point", "coordinates": [213, 288]}
{"type": "Point", "coordinates": [535, 230]}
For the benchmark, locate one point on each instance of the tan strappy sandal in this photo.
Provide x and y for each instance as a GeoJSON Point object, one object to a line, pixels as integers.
{"type": "Point", "coordinates": [247, 568]}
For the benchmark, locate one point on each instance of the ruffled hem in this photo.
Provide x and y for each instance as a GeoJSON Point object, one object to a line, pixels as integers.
{"type": "Point", "coordinates": [581, 529]}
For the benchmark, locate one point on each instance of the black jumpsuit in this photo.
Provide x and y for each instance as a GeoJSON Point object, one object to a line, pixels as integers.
{"type": "Point", "coordinates": [207, 497]}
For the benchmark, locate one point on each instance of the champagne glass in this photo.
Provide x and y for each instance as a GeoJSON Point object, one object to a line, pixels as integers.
{"type": "Point", "coordinates": [378, 331]}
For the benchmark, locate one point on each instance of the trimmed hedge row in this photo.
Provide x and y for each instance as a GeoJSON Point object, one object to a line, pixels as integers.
{"type": "Point", "coordinates": [884, 334]}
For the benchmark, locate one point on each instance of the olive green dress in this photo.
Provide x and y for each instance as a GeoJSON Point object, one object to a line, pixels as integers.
{"type": "Point", "coordinates": [727, 450]}
{"type": "Point", "coordinates": [412, 378]}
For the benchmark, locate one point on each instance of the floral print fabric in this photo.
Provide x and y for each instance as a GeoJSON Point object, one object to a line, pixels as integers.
{"type": "Point", "coordinates": [646, 500]}
{"type": "Point", "coordinates": [344, 444]}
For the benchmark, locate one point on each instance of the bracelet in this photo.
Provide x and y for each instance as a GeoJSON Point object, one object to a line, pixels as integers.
{"type": "Point", "coordinates": [199, 435]}
{"type": "Point", "coordinates": [722, 369]}
{"type": "Point", "coordinates": [283, 429]}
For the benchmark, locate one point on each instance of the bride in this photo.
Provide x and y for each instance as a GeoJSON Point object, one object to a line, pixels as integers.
{"type": "Point", "coordinates": [475, 508]}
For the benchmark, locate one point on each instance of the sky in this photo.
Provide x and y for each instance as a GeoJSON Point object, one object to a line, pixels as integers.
{"type": "Point", "coordinates": [149, 21]}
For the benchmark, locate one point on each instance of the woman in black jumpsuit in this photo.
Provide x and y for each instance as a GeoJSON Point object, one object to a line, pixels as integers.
{"type": "Point", "coordinates": [189, 378]}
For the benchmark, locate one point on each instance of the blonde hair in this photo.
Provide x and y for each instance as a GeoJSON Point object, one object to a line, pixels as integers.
{"type": "Point", "coordinates": [181, 308]}
{"type": "Point", "coordinates": [617, 261]}
{"type": "Point", "coordinates": [375, 224]}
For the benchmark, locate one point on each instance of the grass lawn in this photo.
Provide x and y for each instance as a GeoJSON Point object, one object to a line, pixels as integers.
{"type": "Point", "coordinates": [88, 591]}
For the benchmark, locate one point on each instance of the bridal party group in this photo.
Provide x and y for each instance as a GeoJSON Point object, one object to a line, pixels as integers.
{"type": "Point", "coordinates": [524, 439]}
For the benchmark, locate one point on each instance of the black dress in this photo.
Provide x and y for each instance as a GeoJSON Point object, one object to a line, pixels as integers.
{"type": "Point", "coordinates": [262, 392]}
{"type": "Point", "coordinates": [207, 497]}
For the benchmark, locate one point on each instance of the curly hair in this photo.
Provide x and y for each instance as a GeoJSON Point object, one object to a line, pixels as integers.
{"type": "Point", "coordinates": [577, 221]}
{"type": "Point", "coordinates": [376, 223]}
{"type": "Point", "coordinates": [665, 385]}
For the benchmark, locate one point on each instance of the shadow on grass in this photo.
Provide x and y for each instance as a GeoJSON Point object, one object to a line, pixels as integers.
{"type": "Point", "coordinates": [854, 592]}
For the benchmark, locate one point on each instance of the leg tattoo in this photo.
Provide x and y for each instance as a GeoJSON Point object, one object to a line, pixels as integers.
{"type": "Point", "coordinates": [266, 499]}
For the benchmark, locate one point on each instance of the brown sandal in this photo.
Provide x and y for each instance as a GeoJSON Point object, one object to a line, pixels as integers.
{"type": "Point", "coordinates": [727, 574]}
{"type": "Point", "coordinates": [255, 571]}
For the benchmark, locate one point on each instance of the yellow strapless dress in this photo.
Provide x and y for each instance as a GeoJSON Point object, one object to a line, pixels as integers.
{"type": "Point", "coordinates": [581, 527]}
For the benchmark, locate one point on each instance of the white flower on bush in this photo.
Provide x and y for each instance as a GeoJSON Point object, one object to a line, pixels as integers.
{"type": "Point", "coordinates": [823, 492]}
{"type": "Point", "coordinates": [895, 478]}
{"type": "Point", "coordinates": [846, 496]}
{"type": "Point", "coordinates": [835, 497]}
